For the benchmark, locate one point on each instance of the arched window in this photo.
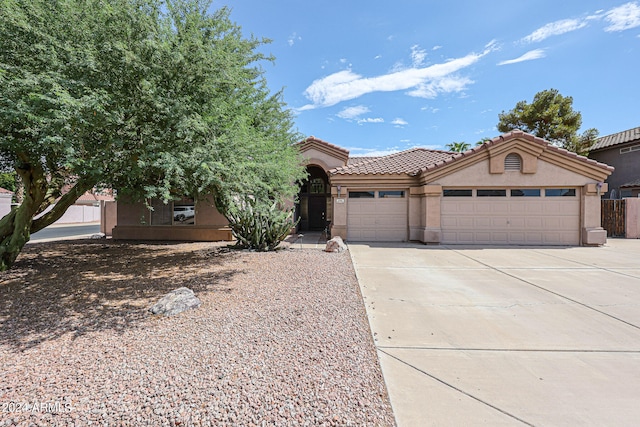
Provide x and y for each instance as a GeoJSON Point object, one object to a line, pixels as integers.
{"type": "Point", "coordinates": [513, 162]}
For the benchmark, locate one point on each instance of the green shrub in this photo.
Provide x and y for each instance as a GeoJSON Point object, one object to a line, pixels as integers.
{"type": "Point", "coordinates": [259, 225]}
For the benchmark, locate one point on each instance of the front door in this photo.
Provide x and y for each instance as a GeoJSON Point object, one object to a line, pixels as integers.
{"type": "Point", "coordinates": [317, 212]}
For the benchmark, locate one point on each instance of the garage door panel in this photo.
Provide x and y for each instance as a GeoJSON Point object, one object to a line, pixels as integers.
{"type": "Point", "coordinates": [377, 219]}
{"type": "Point", "coordinates": [482, 208]}
{"type": "Point", "coordinates": [389, 222]}
{"type": "Point", "coordinates": [518, 223]}
{"type": "Point", "coordinates": [450, 221]}
{"type": "Point", "coordinates": [511, 220]}
{"type": "Point", "coordinates": [533, 223]}
{"type": "Point", "coordinates": [499, 208]}
{"type": "Point", "coordinates": [557, 207]}
{"type": "Point", "coordinates": [499, 222]}
{"type": "Point", "coordinates": [482, 222]}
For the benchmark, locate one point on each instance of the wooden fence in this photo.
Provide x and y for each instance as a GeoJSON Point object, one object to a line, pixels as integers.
{"type": "Point", "coordinates": [613, 217]}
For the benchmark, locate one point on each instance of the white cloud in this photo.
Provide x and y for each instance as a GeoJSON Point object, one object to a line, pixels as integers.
{"type": "Point", "coordinates": [293, 38]}
{"type": "Point", "coordinates": [371, 120]}
{"type": "Point", "coordinates": [430, 109]}
{"type": "Point", "coordinates": [531, 55]}
{"type": "Point", "coordinates": [425, 82]}
{"type": "Point", "coordinates": [436, 47]}
{"type": "Point", "coordinates": [353, 112]}
{"type": "Point", "coordinates": [554, 29]}
{"type": "Point", "coordinates": [399, 122]}
{"type": "Point", "coordinates": [418, 55]}
{"type": "Point", "coordinates": [447, 84]}
{"type": "Point", "coordinates": [623, 17]}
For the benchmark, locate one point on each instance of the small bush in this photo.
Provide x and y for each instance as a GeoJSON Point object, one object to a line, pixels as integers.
{"type": "Point", "coordinates": [259, 225]}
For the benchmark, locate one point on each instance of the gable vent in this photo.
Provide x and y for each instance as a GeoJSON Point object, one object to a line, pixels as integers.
{"type": "Point", "coordinates": [512, 162]}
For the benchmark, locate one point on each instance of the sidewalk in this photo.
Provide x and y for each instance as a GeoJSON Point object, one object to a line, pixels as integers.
{"type": "Point", "coordinates": [307, 240]}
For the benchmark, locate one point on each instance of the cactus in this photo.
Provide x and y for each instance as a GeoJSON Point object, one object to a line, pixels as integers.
{"type": "Point", "coordinates": [259, 225]}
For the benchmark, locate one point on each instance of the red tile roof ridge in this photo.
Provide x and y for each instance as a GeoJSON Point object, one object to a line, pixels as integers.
{"type": "Point", "coordinates": [400, 162]}
{"type": "Point", "coordinates": [5, 191]}
{"type": "Point", "coordinates": [313, 138]}
{"type": "Point", "coordinates": [512, 135]}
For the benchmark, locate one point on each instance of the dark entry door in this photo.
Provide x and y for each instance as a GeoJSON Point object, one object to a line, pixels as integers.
{"type": "Point", "coordinates": [317, 212]}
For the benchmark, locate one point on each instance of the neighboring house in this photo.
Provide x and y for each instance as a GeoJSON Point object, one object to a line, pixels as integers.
{"type": "Point", "coordinates": [515, 189]}
{"type": "Point", "coordinates": [622, 151]}
{"type": "Point", "coordinates": [5, 201]}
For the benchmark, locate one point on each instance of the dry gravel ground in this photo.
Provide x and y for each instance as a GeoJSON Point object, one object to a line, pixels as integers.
{"type": "Point", "coordinates": [280, 339]}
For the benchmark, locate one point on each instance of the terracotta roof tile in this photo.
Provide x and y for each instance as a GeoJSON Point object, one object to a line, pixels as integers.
{"type": "Point", "coordinates": [616, 139]}
{"type": "Point", "coordinates": [360, 159]}
{"type": "Point", "coordinates": [314, 139]}
{"type": "Point", "coordinates": [5, 191]}
{"type": "Point", "coordinates": [634, 183]}
{"type": "Point", "coordinates": [405, 162]}
{"type": "Point", "coordinates": [513, 135]}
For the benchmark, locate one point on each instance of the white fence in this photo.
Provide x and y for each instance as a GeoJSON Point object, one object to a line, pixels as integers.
{"type": "Point", "coordinates": [79, 214]}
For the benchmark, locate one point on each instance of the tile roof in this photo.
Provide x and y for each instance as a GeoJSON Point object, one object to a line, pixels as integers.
{"type": "Point", "coordinates": [359, 159]}
{"type": "Point", "coordinates": [515, 134]}
{"type": "Point", "coordinates": [616, 139]}
{"type": "Point", "coordinates": [417, 160]}
{"type": "Point", "coordinates": [93, 197]}
{"type": "Point", "coordinates": [634, 183]}
{"type": "Point", "coordinates": [5, 191]}
{"type": "Point", "coordinates": [311, 139]}
{"type": "Point", "coordinates": [407, 162]}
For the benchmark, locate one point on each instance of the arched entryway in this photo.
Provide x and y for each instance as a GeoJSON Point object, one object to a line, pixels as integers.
{"type": "Point", "coordinates": [313, 206]}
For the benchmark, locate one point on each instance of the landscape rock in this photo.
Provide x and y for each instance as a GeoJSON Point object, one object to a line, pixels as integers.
{"type": "Point", "coordinates": [336, 244]}
{"type": "Point", "coordinates": [175, 302]}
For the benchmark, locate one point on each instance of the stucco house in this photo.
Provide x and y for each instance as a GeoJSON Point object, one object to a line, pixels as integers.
{"type": "Point", "coordinates": [622, 151]}
{"type": "Point", "coordinates": [513, 190]}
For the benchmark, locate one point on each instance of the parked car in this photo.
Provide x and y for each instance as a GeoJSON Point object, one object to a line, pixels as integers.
{"type": "Point", "coordinates": [182, 213]}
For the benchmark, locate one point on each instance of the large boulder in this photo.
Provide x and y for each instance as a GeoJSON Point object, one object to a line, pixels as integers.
{"type": "Point", "coordinates": [335, 245]}
{"type": "Point", "coordinates": [176, 302]}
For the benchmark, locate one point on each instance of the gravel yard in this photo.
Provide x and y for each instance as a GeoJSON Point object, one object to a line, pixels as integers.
{"type": "Point", "coordinates": [280, 339]}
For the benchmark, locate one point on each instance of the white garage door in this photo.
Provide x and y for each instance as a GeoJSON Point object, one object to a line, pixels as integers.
{"type": "Point", "coordinates": [377, 216]}
{"type": "Point", "coordinates": [512, 217]}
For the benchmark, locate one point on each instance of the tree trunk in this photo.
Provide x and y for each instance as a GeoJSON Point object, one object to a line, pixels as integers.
{"type": "Point", "coordinates": [17, 226]}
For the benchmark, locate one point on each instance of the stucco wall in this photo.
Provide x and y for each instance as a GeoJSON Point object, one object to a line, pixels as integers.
{"type": "Point", "coordinates": [626, 166]}
{"type": "Point", "coordinates": [324, 160]}
{"type": "Point", "coordinates": [108, 216]}
{"type": "Point", "coordinates": [77, 214]}
{"type": "Point", "coordinates": [547, 175]}
{"type": "Point", "coordinates": [632, 207]}
{"type": "Point", "coordinates": [134, 223]}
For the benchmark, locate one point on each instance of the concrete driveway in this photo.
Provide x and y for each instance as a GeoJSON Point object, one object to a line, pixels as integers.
{"type": "Point", "coordinates": [506, 336]}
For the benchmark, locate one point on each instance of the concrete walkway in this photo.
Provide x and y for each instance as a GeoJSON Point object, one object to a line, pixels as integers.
{"type": "Point", "coordinates": [506, 336]}
{"type": "Point", "coordinates": [308, 240]}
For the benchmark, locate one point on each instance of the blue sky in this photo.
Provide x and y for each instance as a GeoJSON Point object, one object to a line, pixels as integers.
{"type": "Point", "coordinates": [379, 76]}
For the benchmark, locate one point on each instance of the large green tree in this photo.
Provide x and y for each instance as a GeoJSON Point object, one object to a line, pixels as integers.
{"type": "Point", "coordinates": [157, 99]}
{"type": "Point", "coordinates": [550, 116]}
